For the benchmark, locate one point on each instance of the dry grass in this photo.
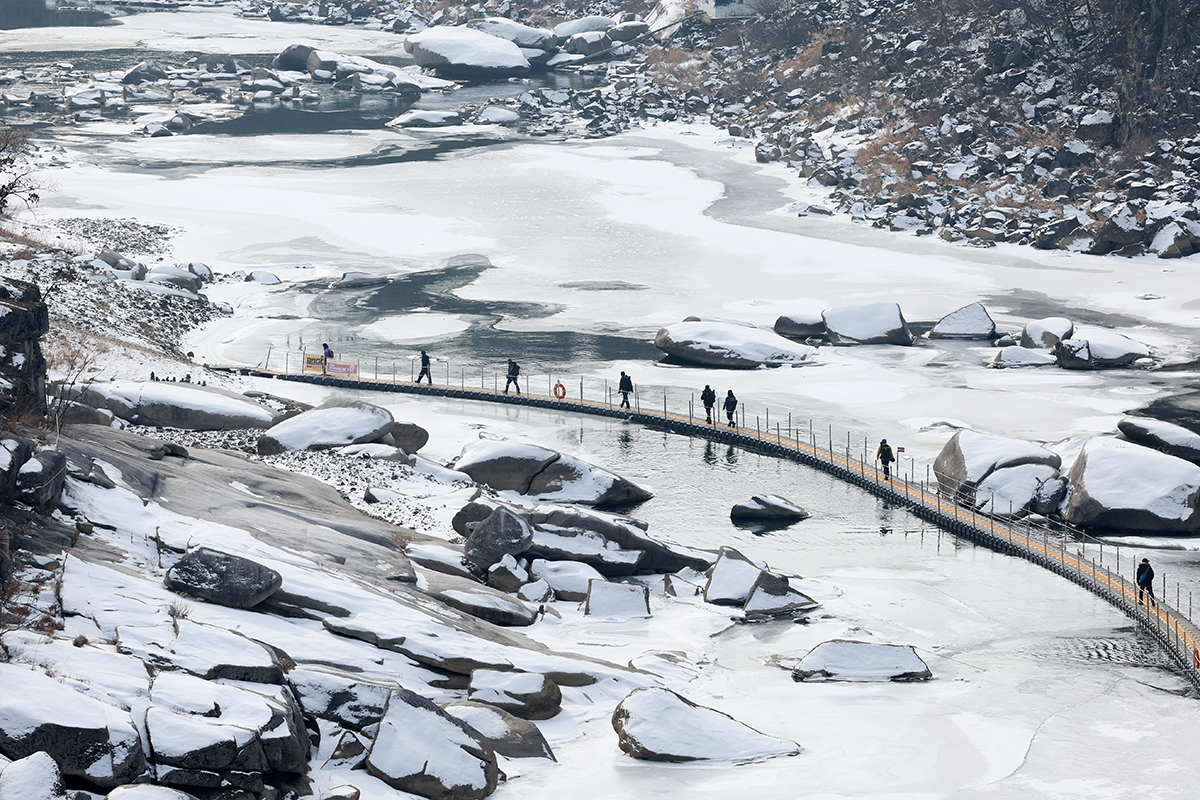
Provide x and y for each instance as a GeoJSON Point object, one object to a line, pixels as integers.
{"type": "Point", "coordinates": [678, 66]}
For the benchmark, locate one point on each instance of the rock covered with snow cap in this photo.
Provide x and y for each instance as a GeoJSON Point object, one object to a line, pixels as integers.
{"type": "Point", "coordinates": [969, 322]}
{"type": "Point", "coordinates": [478, 600]}
{"type": "Point", "coordinates": [1173, 439]}
{"type": "Point", "coordinates": [613, 544]}
{"type": "Point", "coordinates": [568, 579]}
{"type": "Point", "coordinates": [617, 600]}
{"type": "Point", "coordinates": [352, 701]}
{"type": "Point", "coordinates": [731, 578]}
{"type": "Point", "coordinates": [507, 575]}
{"type": "Point", "coordinates": [1015, 356]}
{"type": "Point", "coordinates": [461, 52]}
{"type": "Point", "coordinates": [870, 323]}
{"type": "Point", "coordinates": [1045, 333]}
{"type": "Point", "coordinates": [509, 735]}
{"type": "Point", "coordinates": [206, 651]}
{"type": "Point", "coordinates": [1014, 491]}
{"type": "Point", "coordinates": [799, 325]}
{"type": "Point", "coordinates": [34, 777]}
{"type": "Point", "coordinates": [772, 596]}
{"type": "Point", "coordinates": [523, 694]}
{"type": "Point", "coordinates": [572, 480]}
{"type": "Point", "coordinates": [1098, 349]}
{"type": "Point", "coordinates": [565, 30]}
{"type": "Point", "coordinates": [223, 578]}
{"type": "Point", "coordinates": [426, 751]}
{"type": "Point", "coordinates": [333, 424]}
{"type": "Point", "coordinates": [1123, 486]}
{"type": "Point", "coordinates": [504, 465]}
{"type": "Point", "coordinates": [970, 457]}
{"type": "Point", "coordinates": [766, 507]}
{"type": "Point", "coordinates": [147, 792]}
{"type": "Point", "coordinates": [503, 533]}
{"type": "Point", "coordinates": [515, 32]}
{"type": "Point", "coordinates": [659, 725]}
{"type": "Point", "coordinates": [730, 345]}
{"type": "Point", "coordinates": [847, 660]}
{"type": "Point", "coordinates": [188, 406]}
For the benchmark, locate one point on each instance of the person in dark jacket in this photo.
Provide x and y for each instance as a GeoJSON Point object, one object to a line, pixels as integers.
{"type": "Point", "coordinates": [1145, 581]}
{"type": "Point", "coordinates": [709, 398]}
{"type": "Point", "coordinates": [327, 351]}
{"type": "Point", "coordinates": [514, 371]}
{"type": "Point", "coordinates": [625, 387]}
{"type": "Point", "coordinates": [731, 408]}
{"type": "Point", "coordinates": [425, 369]}
{"type": "Point", "coordinates": [885, 456]}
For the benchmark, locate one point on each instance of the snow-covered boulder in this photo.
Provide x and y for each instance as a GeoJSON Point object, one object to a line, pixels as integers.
{"type": "Point", "coordinates": [333, 424]}
{"type": "Point", "coordinates": [968, 322]}
{"type": "Point", "coordinates": [871, 323]}
{"type": "Point", "coordinates": [628, 31]}
{"type": "Point", "coordinates": [424, 750]}
{"type": "Point", "coordinates": [352, 701]}
{"type": "Point", "coordinates": [772, 596]}
{"type": "Point", "coordinates": [731, 579]}
{"type": "Point", "coordinates": [799, 325]}
{"type": "Point", "coordinates": [460, 52]}
{"type": "Point", "coordinates": [565, 30]}
{"type": "Point", "coordinates": [588, 43]}
{"type": "Point", "coordinates": [177, 405]}
{"type": "Point", "coordinates": [1014, 491]}
{"type": "Point", "coordinates": [223, 578]}
{"type": "Point", "coordinates": [845, 660]}
{"type": "Point", "coordinates": [87, 738]}
{"type": "Point", "coordinates": [969, 457]}
{"type": "Point", "coordinates": [34, 777]}
{"type": "Point", "coordinates": [617, 600]}
{"type": "Point", "coordinates": [504, 465]}
{"type": "Point", "coordinates": [477, 599]}
{"type": "Point", "coordinates": [1124, 486]}
{"type": "Point", "coordinates": [1178, 238]}
{"type": "Point", "coordinates": [1097, 349]}
{"type": "Point", "coordinates": [419, 118]}
{"type": "Point", "coordinates": [206, 651]}
{"type": "Point", "coordinates": [1165, 436]}
{"type": "Point", "coordinates": [507, 575]}
{"type": "Point", "coordinates": [767, 507]}
{"type": "Point", "coordinates": [568, 579]}
{"type": "Point", "coordinates": [570, 480]}
{"type": "Point", "coordinates": [515, 32]}
{"type": "Point", "coordinates": [660, 725]}
{"type": "Point", "coordinates": [730, 345]}
{"type": "Point", "coordinates": [409, 436]}
{"type": "Point", "coordinates": [1017, 356]}
{"type": "Point", "coordinates": [503, 533]}
{"type": "Point", "coordinates": [40, 479]}
{"type": "Point", "coordinates": [523, 694]}
{"type": "Point", "coordinates": [1043, 334]}
{"type": "Point", "coordinates": [1098, 126]}
{"type": "Point", "coordinates": [613, 544]}
{"type": "Point", "coordinates": [145, 791]}
{"type": "Point", "coordinates": [509, 735]}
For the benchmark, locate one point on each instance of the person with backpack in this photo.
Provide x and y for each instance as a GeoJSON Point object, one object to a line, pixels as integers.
{"type": "Point", "coordinates": [1145, 581]}
{"type": "Point", "coordinates": [731, 408]}
{"type": "Point", "coordinates": [425, 369]}
{"type": "Point", "coordinates": [514, 371]}
{"type": "Point", "coordinates": [625, 387]}
{"type": "Point", "coordinates": [885, 456]}
{"type": "Point", "coordinates": [709, 398]}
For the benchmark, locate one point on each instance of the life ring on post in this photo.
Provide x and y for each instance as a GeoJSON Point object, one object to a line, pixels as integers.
{"type": "Point", "coordinates": [560, 391]}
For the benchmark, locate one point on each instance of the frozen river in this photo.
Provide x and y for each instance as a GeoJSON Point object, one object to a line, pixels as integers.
{"type": "Point", "coordinates": [569, 255]}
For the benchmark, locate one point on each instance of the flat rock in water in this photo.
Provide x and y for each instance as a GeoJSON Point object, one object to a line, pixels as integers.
{"type": "Point", "coordinates": [1165, 436]}
{"type": "Point", "coordinates": [223, 578]}
{"type": "Point", "coordinates": [1043, 334]}
{"type": "Point", "coordinates": [968, 322]}
{"type": "Point", "coordinates": [871, 323]}
{"type": "Point", "coordinates": [969, 457]}
{"type": "Point", "coordinates": [1123, 486]}
{"type": "Point", "coordinates": [844, 660]}
{"type": "Point", "coordinates": [424, 750]}
{"type": "Point", "coordinates": [34, 777]}
{"type": "Point", "coordinates": [730, 345]}
{"type": "Point", "coordinates": [764, 507]}
{"type": "Point", "coordinates": [617, 600]}
{"type": "Point", "coordinates": [772, 596]}
{"type": "Point", "coordinates": [660, 725]}
{"type": "Point", "coordinates": [460, 52]}
{"type": "Point", "coordinates": [731, 579]}
{"type": "Point", "coordinates": [503, 533]}
{"type": "Point", "coordinates": [509, 735]}
{"type": "Point", "coordinates": [333, 424]}
{"type": "Point", "coordinates": [524, 694]}
{"type": "Point", "coordinates": [87, 738]}
{"type": "Point", "coordinates": [1017, 356]}
{"type": "Point", "coordinates": [568, 579]}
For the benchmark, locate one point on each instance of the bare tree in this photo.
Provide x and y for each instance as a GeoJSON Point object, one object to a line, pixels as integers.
{"type": "Point", "coordinates": [17, 176]}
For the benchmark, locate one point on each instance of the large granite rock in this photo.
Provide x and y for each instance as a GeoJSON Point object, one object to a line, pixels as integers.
{"type": "Point", "coordinates": [968, 322]}
{"type": "Point", "coordinates": [568, 579]}
{"type": "Point", "coordinates": [23, 319]}
{"type": "Point", "coordinates": [503, 533]}
{"type": "Point", "coordinates": [570, 480]}
{"type": "Point", "coordinates": [730, 345]}
{"type": "Point", "coordinates": [660, 725]}
{"type": "Point", "coordinates": [1045, 333]}
{"type": "Point", "coordinates": [34, 777]}
{"type": "Point", "coordinates": [423, 750]}
{"type": "Point", "coordinates": [504, 465]}
{"type": "Point", "coordinates": [970, 457]}
{"type": "Point", "coordinates": [523, 694]}
{"type": "Point", "coordinates": [1122, 486]}
{"type": "Point", "coordinates": [459, 52]}
{"type": "Point", "coordinates": [223, 578]}
{"type": "Point", "coordinates": [509, 735]}
{"type": "Point", "coordinates": [772, 597]}
{"type": "Point", "coordinates": [767, 508]}
{"type": "Point", "coordinates": [800, 326]}
{"type": "Point", "coordinates": [478, 600]}
{"type": "Point", "coordinates": [352, 701]}
{"type": "Point", "coordinates": [206, 651]}
{"type": "Point", "coordinates": [1168, 437]}
{"type": "Point", "coordinates": [333, 424]}
{"type": "Point", "coordinates": [613, 544]}
{"type": "Point", "coordinates": [731, 578]}
{"type": "Point", "coordinates": [520, 35]}
{"type": "Point", "coordinates": [1098, 349]}
{"type": "Point", "coordinates": [846, 660]}
{"type": "Point", "coordinates": [871, 323]}
{"type": "Point", "coordinates": [617, 600]}
{"type": "Point", "coordinates": [188, 406]}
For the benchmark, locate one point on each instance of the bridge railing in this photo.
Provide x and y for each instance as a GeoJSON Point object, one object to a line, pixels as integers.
{"type": "Point", "coordinates": [1057, 546]}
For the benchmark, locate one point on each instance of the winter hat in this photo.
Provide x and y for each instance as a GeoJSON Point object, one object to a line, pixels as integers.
{"type": "Point", "coordinates": [1145, 561]}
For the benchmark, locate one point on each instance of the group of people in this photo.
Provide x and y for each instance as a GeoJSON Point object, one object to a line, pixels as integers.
{"type": "Point", "coordinates": [709, 398]}
{"type": "Point", "coordinates": [514, 372]}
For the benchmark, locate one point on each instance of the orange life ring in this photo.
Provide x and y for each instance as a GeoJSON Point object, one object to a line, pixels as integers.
{"type": "Point", "coordinates": [560, 391]}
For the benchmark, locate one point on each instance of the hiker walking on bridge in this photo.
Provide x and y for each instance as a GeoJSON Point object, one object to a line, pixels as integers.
{"type": "Point", "coordinates": [424, 369]}
{"type": "Point", "coordinates": [625, 387]}
{"type": "Point", "coordinates": [514, 371]}
{"type": "Point", "coordinates": [731, 408]}
{"type": "Point", "coordinates": [885, 456]}
{"type": "Point", "coordinates": [709, 398]}
{"type": "Point", "coordinates": [1145, 581]}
